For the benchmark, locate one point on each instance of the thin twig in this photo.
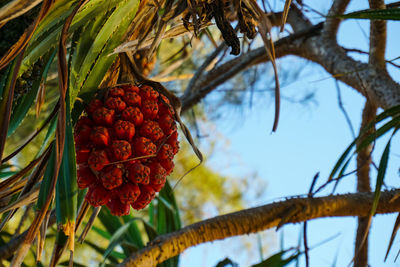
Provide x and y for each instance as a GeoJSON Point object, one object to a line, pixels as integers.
{"type": "Point", "coordinates": [341, 107]}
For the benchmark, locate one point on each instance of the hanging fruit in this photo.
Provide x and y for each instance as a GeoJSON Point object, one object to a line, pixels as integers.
{"type": "Point", "coordinates": [125, 147]}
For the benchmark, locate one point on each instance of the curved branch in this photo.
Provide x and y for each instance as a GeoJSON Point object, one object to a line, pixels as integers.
{"type": "Point", "coordinates": [332, 23]}
{"type": "Point", "coordinates": [258, 219]}
{"type": "Point", "coordinates": [374, 83]}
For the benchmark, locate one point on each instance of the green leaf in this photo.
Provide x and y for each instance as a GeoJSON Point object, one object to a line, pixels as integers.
{"type": "Point", "coordinates": [48, 175]}
{"type": "Point", "coordinates": [174, 217]}
{"type": "Point", "coordinates": [151, 213]}
{"type": "Point", "coordinates": [166, 203]}
{"type": "Point", "coordinates": [161, 218]}
{"type": "Point", "coordinates": [168, 218]}
{"type": "Point", "coordinates": [93, 59]}
{"type": "Point", "coordinates": [381, 176]}
{"type": "Point", "coordinates": [381, 14]}
{"type": "Point", "coordinates": [150, 231]}
{"type": "Point", "coordinates": [47, 34]}
{"type": "Point", "coordinates": [4, 79]}
{"type": "Point", "coordinates": [7, 174]}
{"type": "Point", "coordinates": [45, 37]}
{"type": "Point", "coordinates": [25, 102]}
{"type": "Point", "coordinates": [112, 258]}
{"type": "Point", "coordinates": [66, 188]}
{"type": "Point", "coordinates": [59, 245]}
{"type": "Point", "coordinates": [66, 263]}
{"type": "Point", "coordinates": [5, 90]}
{"type": "Point", "coordinates": [393, 123]}
{"type": "Point", "coordinates": [116, 239]}
{"type": "Point", "coordinates": [226, 262]}
{"type": "Point", "coordinates": [134, 235]}
{"type": "Point", "coordinates": [49, 136]}
{"type": "Point", "coordinates": [101, 232]}
{"type": "Point", "coordinates": [392, 113]}
{"type": "Point", "coordinates": [110, 222]}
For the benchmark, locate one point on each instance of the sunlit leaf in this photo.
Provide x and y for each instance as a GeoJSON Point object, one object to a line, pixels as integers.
{"type": "Point", "coordinates": [93, 59]}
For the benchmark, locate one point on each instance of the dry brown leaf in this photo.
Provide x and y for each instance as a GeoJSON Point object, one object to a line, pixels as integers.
{"type": "Point", "coordinates": [13, 179]}
{"type": "Point", "coordinates": [24, 200]}
{"type": "Point", "coordinates": [15, 9]}
{"type": "Point", "coordinates": [6, 105]}
{"type": "Point", "coordinates": [89, 224]}
{"type": "Point", "coordinates": [285, 14]}
{"type": "Point", "coordinates": [41, 237]}
{"type": "Point", "coordinates": [175, 31]}
{"type": "Point", "coordinates": [173, 78]}
{"type": "Point", "coordinates": [393, 235]}
{"type": "Point", "coordinates": [83, 210]}
{"type": "Point", "coordinates": [264, 27]}
{"type": "Point", "coordinates": [15, 188]}
{"type": "Point", "coordinates": [18, 47]}
{"type": "Point", "coordinates": [46, 122]}
{"type": "Point", "coordinates": [28, 183]}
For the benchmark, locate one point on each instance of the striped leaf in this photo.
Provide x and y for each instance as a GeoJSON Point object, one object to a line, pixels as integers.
{"type": "Point", "coordinates": [101, 35]}
{"type": "Point", "coordinates": [66, 188]}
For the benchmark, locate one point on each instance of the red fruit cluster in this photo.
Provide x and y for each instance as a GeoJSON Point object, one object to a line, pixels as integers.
{"type": "Point", "coordinates": [125, 147]}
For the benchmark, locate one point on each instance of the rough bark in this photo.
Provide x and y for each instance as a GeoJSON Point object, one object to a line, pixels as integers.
{"type": "Point", "coordinates": [363, 185]}
{"type": "Point", "coordinates": [258, 219]}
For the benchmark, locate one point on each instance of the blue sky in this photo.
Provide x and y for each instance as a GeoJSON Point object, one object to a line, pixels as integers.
{"type": "Point", "coordinates": [309, 140]}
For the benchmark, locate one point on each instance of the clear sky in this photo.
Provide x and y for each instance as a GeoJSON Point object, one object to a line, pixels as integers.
{"type": "Point", "coordinates": [310, 138]}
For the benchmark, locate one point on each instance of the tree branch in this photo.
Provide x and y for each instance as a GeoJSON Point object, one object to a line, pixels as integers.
{"type": "Point", "coordinates": [377, 37]}
{"type": "Point", "coordinates": [376, 84]}
{"type": "Point", "coordinates": [258, 219]}
{"type": "Point", "coordinates": [290, 45]}
{"type": "Point", "coordinates": [363, 185]}
{"type": "Point", "coordinates": [308, 42]}
{"type": "Point", "coordinates": [332, 23]}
